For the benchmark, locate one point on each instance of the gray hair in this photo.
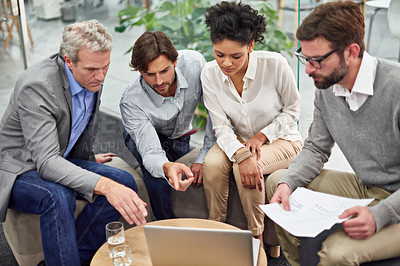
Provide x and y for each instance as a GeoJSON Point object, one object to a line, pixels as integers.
{"type": "Point", "coordinates": [90, 33]}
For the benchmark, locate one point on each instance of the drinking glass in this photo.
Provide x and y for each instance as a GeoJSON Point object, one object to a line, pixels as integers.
{"type": "Point", "coordinates": [122, 255]}
{"type": "Point", "coordinates": [115, 235]}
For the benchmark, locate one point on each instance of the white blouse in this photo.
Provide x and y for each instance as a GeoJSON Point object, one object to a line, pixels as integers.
{"type": "Point", "coordinates": [270, 101]}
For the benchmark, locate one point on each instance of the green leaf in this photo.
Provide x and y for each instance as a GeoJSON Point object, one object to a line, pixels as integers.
{"type": "Point", "coordinates": [130, 12]}
{"type": "Point", "coordinates": [172, 23]}
{"type": "Point", "coordinates": [120, 28]}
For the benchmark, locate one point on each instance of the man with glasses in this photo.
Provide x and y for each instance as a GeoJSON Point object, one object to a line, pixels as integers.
{"type": "Point", "coordinates": [314, 61]}
{"type": "Point", "coordinates": [357, 106]}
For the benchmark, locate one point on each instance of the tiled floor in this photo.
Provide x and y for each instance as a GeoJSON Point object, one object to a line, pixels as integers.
{"type": "Point", "coordinates": [47, 35]}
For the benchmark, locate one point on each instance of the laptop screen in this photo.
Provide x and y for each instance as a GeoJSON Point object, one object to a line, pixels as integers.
{"type": "Point", "coordinates": [185, 246]}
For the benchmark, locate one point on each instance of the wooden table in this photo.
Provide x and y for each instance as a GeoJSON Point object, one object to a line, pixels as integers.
{"type": "Point", "coordinates": [136, 239]}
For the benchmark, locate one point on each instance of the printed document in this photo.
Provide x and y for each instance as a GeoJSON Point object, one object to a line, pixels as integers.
{"type": "Point", "coordinates": [311, 212]}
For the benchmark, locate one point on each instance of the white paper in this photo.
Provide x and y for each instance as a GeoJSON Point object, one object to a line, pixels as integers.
{"type": "Point", "coordinates": [310, 212]}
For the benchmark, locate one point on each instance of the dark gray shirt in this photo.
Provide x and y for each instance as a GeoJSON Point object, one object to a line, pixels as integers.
{"type": "Point", "coordinates": [369, 139]}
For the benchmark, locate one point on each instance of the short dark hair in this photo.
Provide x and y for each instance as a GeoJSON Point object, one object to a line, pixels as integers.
{"type": "Point", "coordinates": [339, 22]}
{"type": "Point", "coordinates": [148, 47]}
{"type": "Point", "coordinates": [234, 21]}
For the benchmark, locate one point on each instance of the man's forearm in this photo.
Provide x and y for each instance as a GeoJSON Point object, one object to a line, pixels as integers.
{"type": "Point", "coordinates": [103, 186]}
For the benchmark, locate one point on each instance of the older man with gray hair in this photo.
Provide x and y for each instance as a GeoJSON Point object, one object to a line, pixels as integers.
{"type": "Point", "coordinates": [46, 157]}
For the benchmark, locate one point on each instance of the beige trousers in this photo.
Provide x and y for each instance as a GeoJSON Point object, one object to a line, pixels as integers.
{"type": "Point", "coordinates": [216, 169]}
{"type": "Point", "coordinates": [338, 248]}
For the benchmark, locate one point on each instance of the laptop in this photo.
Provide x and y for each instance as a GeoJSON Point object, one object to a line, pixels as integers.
{"type": "Point", "coordinates": [184, 246]}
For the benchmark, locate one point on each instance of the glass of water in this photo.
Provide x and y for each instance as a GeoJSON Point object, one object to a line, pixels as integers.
{"type": "Point", "coordinates": [122, 255]}
{"type": "Point", "coordinates": [115, 235]}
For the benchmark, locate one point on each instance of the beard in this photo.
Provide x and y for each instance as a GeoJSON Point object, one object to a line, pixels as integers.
{"type": "Point", "coordinates": [155, 88]}
{"type": "Point", "coordinates": [169, 89]}
{"type": "Point", "coordinates": [337, 75]}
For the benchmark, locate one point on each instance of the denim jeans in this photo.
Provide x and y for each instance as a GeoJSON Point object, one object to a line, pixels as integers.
{"type": "Point", "coordinates": [158, 188]}
{"type": "Point", "coordinates": [67, 241]}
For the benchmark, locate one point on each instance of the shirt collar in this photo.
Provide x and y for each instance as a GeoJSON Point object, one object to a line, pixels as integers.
{"type": "Point", "coordinates": [181, 83]}
{"type": "Point", "coordinates": [252, 66]}
{"type": "Point", "coordinates": [75, 87]}
{"type": "Point", "coordinates": [364, 83]}
{"type": "Point", "coordinates": [251, 69]}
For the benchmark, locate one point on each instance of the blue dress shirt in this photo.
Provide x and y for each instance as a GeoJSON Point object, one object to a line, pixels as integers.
{"type": "Point", "coordinates": [82, 107]}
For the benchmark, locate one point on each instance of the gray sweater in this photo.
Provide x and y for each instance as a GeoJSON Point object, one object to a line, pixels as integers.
{"type": "Point", "coordinates": [369, 139]}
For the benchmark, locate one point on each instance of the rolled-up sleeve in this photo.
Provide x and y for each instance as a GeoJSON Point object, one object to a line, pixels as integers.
{"type": "Point", "coordinates": [142, 132]}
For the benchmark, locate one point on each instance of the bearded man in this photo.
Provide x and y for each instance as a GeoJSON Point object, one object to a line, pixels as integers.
{"type": "Point", "coordinates": [157, 111]}
{"type": "Point", "coordinates": [357, 106]}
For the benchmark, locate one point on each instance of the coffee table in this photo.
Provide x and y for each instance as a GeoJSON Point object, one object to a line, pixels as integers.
{"type": "Point", "coordinates": [136, 239]}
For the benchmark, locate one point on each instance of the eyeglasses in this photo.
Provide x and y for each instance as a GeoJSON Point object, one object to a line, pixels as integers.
{"type": "Point", "coordinates": [315, 62]}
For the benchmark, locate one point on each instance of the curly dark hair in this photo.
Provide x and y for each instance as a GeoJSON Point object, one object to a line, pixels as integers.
{"type": "Point", "coordinates": [234, 21]}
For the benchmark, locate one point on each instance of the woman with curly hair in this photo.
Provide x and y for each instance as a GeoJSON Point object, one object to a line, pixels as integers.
{"type": "Point", "coordinates": [254, 106]}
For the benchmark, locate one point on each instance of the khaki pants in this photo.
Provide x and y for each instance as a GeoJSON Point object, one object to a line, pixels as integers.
{"type": "Point", "coordinates": [338, 248]}
{"type": "Point", "coordinates": [216, 169]}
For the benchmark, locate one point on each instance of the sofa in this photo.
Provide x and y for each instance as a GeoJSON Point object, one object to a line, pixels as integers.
{"type": "Point", "coordinates": [22, 230]}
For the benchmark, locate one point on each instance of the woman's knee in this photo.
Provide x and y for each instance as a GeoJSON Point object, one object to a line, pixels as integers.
{"type": "Point", "coordinates": [215, 163]}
